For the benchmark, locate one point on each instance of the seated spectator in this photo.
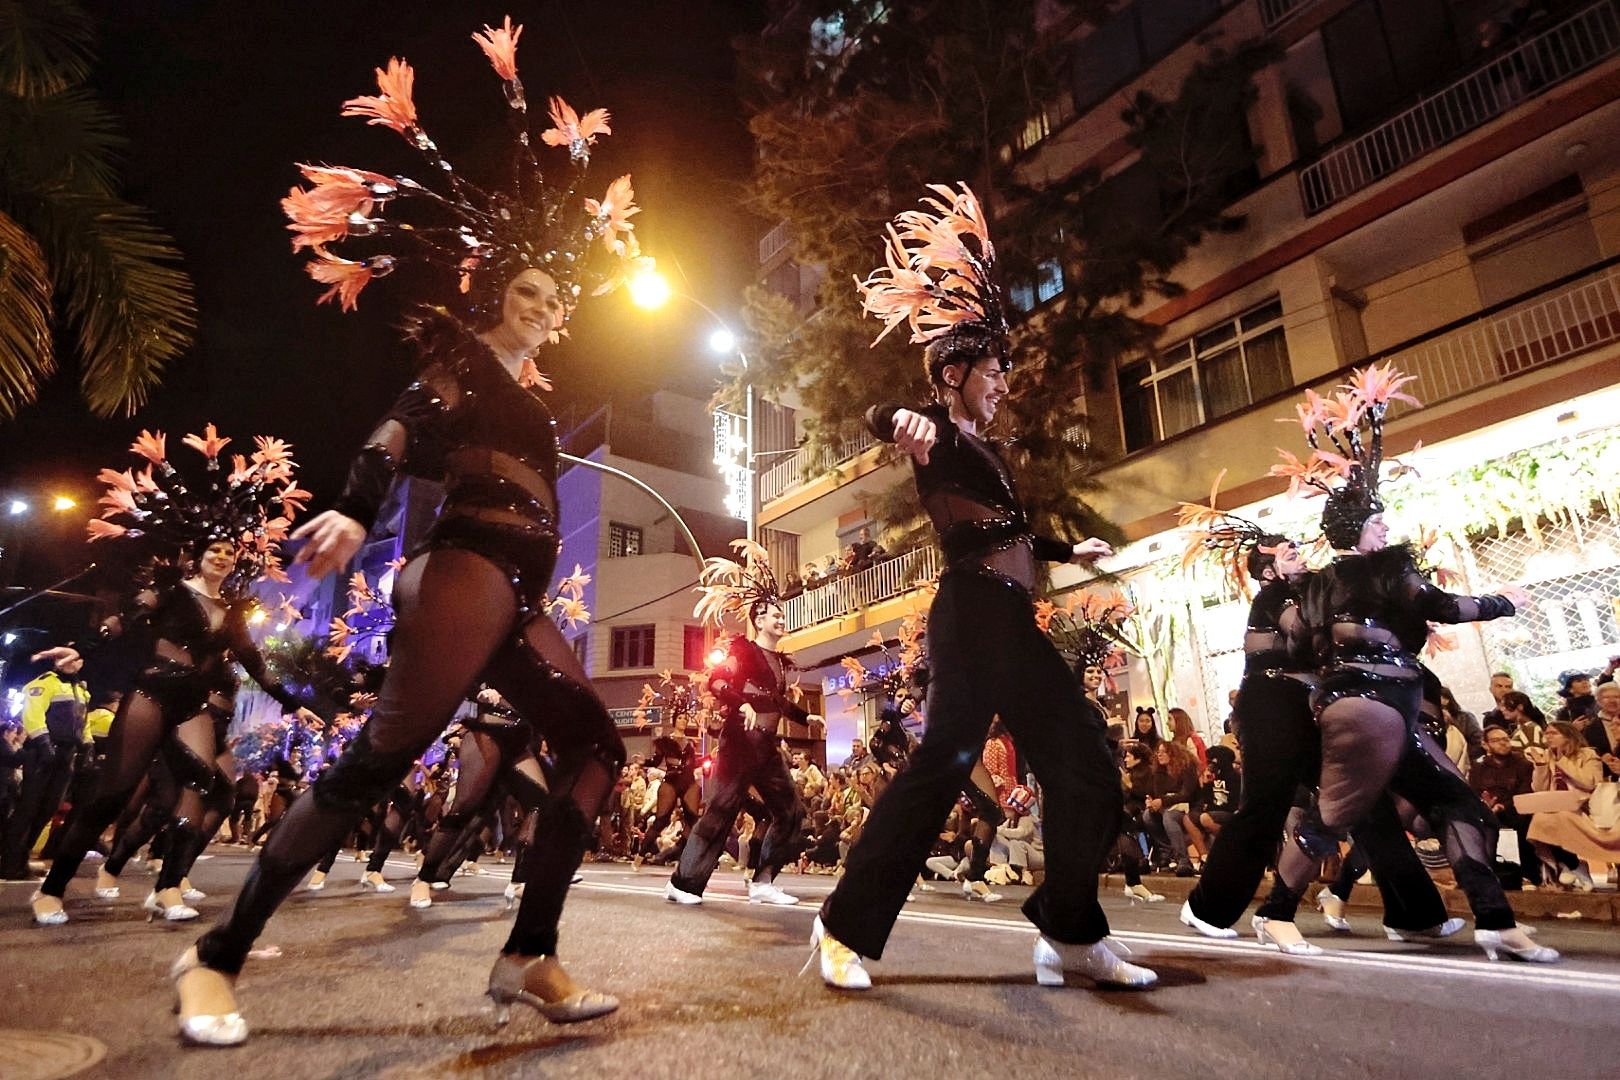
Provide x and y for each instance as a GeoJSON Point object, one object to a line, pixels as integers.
{"type": "Point", "coordinates": [1145, 728]}
{"type": "Point", "coordinates": [1603, 733]}
{"type": "Point", "coordinates": [1501, 686]}
{"type": "Point", "coordinates": [1182, 732]}
{"type": "Point", "coordinates": [1465, 722]}
{"type": "Point", "coordinates": [822, 849]}
{"type": "Point", "coordinates": [1175, 779]}
{"type": "Point", "coordinates": [948, 858]}
{"type": "Point", "coordinates": [1016, 840]}
{"type": "Point", "coordinates": [1522, 720]}
{"type": "Point", "coordinates": [857, 755]}
{"type": "Point", "coordinates": [1497, 778]}
{"type": "Point", "coordinates": [1222, 786]}
{"type": "Point", "coordinates": [806, 775]}
{"type": "Point", "coordinates": [1575, 687]}
{"type": "Point", "coordinates": [1568, 840]}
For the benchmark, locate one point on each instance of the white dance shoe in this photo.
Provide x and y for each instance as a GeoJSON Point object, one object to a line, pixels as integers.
{"type": "Point", "coordinates": [1141, 894]}
{"type": "Point", "coordinates": [1332, 909]}
{"type": "Point", "coordinates": [841, 966]}
{"type": "Point", "coordinates": [206, 1029]}
{"type": "Point", "coordinates": [1499, 943]}
{"type": "Point", "coordinates": [156, 908]}
{"type": "Point", "coordinates": [681, 896]}
{"type": "Point", "coordinates": [1096, 961]}
{"type": "Point", "coordinates": [52, 916]}
{"type": "Point", "coordinates": [1433, 933]}
{"type": "Point", "coordinates": [767, 893]}
{"type": "Point", "coordinates": [1209, 930]}
{"type": "Point", "coordinates": [1263, 931]}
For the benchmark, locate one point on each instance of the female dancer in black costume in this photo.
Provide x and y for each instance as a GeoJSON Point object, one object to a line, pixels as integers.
{"type": "Point", "coordinates": [1369, 614]}
{"type": "Point", "coordinates": [1281, 748]}
{"type": "Point", "coordinates": [675, 756]}
{"type": "Point", "coordinates": [986, 654]}
{"type": "Point", "coordinates": [496, 758]}
{"type": "Point", "coordinates": [192, 622]}
{"type": "Point", "coordinates": [471, 604]}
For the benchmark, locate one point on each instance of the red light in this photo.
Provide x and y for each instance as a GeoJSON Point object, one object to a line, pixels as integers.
{"type": "Point", "coordinates": [707, 765]}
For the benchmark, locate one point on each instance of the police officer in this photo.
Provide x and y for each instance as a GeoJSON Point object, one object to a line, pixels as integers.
{"type": "Point", "coordinates": [53, 719]}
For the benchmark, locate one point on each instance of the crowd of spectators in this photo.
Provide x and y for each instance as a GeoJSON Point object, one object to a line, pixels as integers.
{"type": "Point", "coordinates": [862, 554]}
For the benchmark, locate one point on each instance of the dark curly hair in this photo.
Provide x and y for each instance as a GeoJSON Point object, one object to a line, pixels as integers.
{"type": "Point", "coordinates": [1347, 510]}
{"type": "Point", "coordinates": [967, 343]}
{"type": "Point", "coordinates": [1259, 559]}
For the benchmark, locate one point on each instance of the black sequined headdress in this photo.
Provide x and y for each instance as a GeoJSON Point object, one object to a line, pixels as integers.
{"type": "Point", "coordinates": [485, 237]}
{"type": "Point", "coordinates": [251, 504]}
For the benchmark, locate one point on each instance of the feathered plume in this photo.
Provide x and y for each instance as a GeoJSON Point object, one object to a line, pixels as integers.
{"type": "Point", "coordinates": [733, 587]}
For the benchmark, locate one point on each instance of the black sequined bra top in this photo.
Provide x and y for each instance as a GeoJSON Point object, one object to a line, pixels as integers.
{"type": "Point", "coordinates": [464, 422]}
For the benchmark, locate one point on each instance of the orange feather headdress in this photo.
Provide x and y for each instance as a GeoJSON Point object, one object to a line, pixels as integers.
{"type": "Point", "coordinates": [735, 587]}
{"type": "Point", "coordinates": [479, 235]}
{"type": "Point", "coordinates": [938, 273]}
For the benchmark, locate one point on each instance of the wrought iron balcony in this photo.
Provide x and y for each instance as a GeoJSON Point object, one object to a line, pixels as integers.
{"type": "Point", "coordinates": [881, 581]}
{"type": "Point", "coordinates": [1541, 62]}
{"type": "Point", "coordinates": [804, 465]}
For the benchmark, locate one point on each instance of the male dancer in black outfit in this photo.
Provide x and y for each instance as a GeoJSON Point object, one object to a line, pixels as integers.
{"type": "Point", "coordinates": [750, 685]}
{"type": "Point", "coordinates": [987, 656]}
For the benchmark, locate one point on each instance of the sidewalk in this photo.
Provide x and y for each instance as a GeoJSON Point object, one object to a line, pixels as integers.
{"type": "Point", "coordinates": [1602, 906]}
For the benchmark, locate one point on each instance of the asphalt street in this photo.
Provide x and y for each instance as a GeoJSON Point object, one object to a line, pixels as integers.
{"type": "Point", "coordinates": [364, 986]}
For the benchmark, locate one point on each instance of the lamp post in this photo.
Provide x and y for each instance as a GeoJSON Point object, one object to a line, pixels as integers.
{"type": "Point", "coordinates": [651, 290]}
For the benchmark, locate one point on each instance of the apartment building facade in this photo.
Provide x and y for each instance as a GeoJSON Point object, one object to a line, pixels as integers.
{"type": "Point", "coordinates": [1436, 184]}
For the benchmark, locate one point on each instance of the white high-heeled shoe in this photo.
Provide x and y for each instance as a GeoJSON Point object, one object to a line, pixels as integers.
{"type": "Point", "coordinates": [169, 912]}
{"type": "Point", "coordinates": [1209, 930]}
{"type": "Point", "coordinates": [1096, 961]}
{"type": "Point", "coordinates": [48, 918]}
{"type": "Point", "coordinates": [1432, 933]}
{"type": "Point", "coordinates": [841, 966]}
{"type": "Point", "coordinates": [512, 894]}
{"type": "Point", "coordinates": [373, 879]}
{"type": "Point", "coordinates": [190, 893]}
{"type": "Point", "coordinates": [978, 890]}
{"type": "Point", "coordinates": [421, 894]}
{"type": "Point", "coordinates": [205, 1029]}
{"type": "Point", "coordinates": [507, 987]}
{"type": "Point", "coordinates": [1332, 909]}
{"type": "Point", "coordinates": [1262, 931]}
{"type": "Point", "coordinates": [1494, 945]}
{"type": "Point", "coordinates": [1141, 894]}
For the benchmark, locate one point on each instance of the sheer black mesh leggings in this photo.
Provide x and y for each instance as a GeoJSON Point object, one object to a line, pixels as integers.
{"type": "Point", "coordinates": [456, 614]}
{"type": "Point", "coordinates": [487, 765]}
{"type": "Point", "coordinates": [689, 803]}
{"type": "Point", "coordinates": [139, 732]}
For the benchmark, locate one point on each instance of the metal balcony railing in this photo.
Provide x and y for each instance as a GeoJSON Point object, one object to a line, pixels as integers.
{"type": "Point", "coordinates": [772, 243]}
{"type": "Point", "coordinates": [1273, 12]}
{"type": "Point", "coordinates": [1541, 62]}
{"type": "Point", "coordinates": [883, 581]}
{"type": "Point", "coordinates": [1561, 323]}
{"type": "Point", "coordinates": [803, 465]}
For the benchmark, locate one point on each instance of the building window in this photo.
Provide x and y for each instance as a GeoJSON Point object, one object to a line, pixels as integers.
{"type": "Point", "coordinates": [581, 647]}
{"type": "Point", "coordinates": [623, 540]}
{"type": "Point", "coordinates": [632, 647]}
{"type": "Point", "coordinates": [1213, 374]}
{"type": "Point", "coordinates": [695, 648]}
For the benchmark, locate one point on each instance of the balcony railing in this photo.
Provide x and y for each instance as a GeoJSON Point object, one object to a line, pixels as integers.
{"type": "Point", "coordinates": [1561, 323]}
{"type": "Point", "coordinates": [1273, 12]}
{"type": "Point", "coordinates": [773, 242]}
{"type": "Point", "coordinates": [883, 581]}
{"type": "Point", "coordinates": [804, 464]}
{"type": "Point", "coordinates": [1542, 62]}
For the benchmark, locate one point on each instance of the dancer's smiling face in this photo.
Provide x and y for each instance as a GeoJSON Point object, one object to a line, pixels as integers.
{"type": "Point", "coordinates": [1091, 678]}
{"type": "Point", "coordinates": [769, 620]}
{"type": "Point", "coordinates": [1287, 561]}
{"type": "Point", "coordinates": [531, 309]}
{"type": "Point", "coordinates": [980, 385]}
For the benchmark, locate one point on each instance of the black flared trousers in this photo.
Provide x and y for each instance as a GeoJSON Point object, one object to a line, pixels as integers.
{"type": "Point", "coordinates": [988, 658]}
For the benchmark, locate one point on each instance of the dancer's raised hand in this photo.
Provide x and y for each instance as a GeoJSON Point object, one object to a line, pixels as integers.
{"type": "Point", "coordinates": [1090, 550]}
{"type": "Point", "coordinates": [915, 434]}
{"type": "Point", "coordinates": [333, 540]}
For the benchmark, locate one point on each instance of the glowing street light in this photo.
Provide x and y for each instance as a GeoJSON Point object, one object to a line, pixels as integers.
{"type": "Point", "coordinates": [258, 617]}
{"type": "Point", "coordinates": [17, 507]}
{"type": "Point", "coordinates": [63, 502]}
{"type": "Point", "coordinates": [723, 341]}
{"type": "Point", "coordinates": [650, 290]}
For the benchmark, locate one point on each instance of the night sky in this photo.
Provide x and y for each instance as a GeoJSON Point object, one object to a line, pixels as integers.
{"type": "Point", "coordinates": [220, 99]}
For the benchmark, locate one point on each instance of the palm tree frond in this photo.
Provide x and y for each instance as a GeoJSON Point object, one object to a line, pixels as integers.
{"type": "Point", "coordinates": [26, 359]}
{"type": "Point", "coordinates": [45, 46]}
{"type": "Point", "coordinates": [129, 303]}
{"type": "Point", "coordinates": [65, 141]}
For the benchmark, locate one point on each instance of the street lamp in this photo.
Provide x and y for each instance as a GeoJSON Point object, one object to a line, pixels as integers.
{"type": "Point", "coordinates": [63, 502]}
{"type": "Point", "coordinates": [734, 453]}
{"type": "Point", "coordinates": [17, 507]}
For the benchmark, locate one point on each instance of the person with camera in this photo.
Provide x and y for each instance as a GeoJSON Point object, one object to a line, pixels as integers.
{"type": "Point", "coordinates": [1568, 764]}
